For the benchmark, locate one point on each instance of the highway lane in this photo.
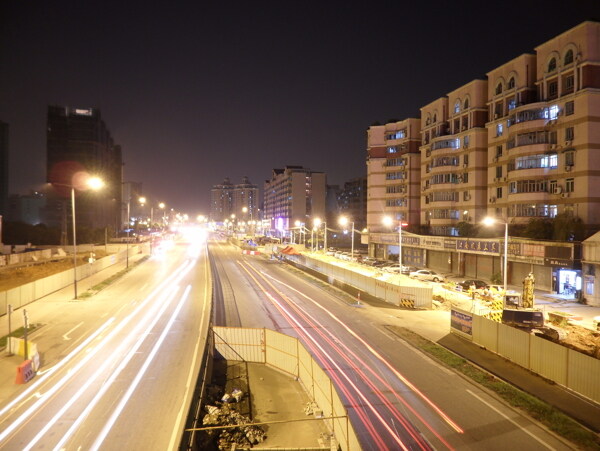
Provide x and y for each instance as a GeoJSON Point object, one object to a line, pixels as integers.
{"type": "Point", "coordinates": [397, 397]}
{"type": "Point", "coordinates": [126, 377]}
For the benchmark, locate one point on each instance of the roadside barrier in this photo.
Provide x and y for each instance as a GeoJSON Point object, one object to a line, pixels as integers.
{"type": "Point", "coordinates": [24, 372]}
{"type": "Point", "coordinates": [247, 252]}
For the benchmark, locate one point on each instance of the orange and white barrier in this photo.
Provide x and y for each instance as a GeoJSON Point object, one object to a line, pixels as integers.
{"type": "Point", "coordinates": [246, 252]}
{"type": "Point", "coordinates": [24, 372]}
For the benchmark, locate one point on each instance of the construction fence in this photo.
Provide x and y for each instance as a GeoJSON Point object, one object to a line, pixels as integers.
{"type": "Point", "coordinates": [29, 292]}
{"type": "Point", "coordinates": [288, 355]}
{"type": "Point", "coordinates": [567, 367]}
{"type": "Point", "coordinates": [401, 295]}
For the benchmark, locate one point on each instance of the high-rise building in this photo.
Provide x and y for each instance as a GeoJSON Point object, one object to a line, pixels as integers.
{"type": "Point", "coordinates": [3, 168]}
{"type": "Point", "coordinates": [78, 141]}
{"type": "Point", "coordinates": [352, 201]}
{"type": "Point", "coordinates": [294, 194]}
{"type": "Point", "coordinates": [221, 201]}
{"type": "Point", "coordinates": [245, 200]}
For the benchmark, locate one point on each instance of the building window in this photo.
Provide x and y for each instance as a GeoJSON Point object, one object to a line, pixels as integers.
{"type": "Point", "coordinates": [434, 118]}
{"type": "Point", "coordinates": [512, 104]}
{"type": "Point", "coordinates": [499, 88]}
{"type": "Point", "coordinates": [552, 186]}
{"type": "Point", "coordinates": [499, 193]}
{"type": "Point", "coordinates": [457, 107]}
{"type": "Point", "coordinates": [392, 149]}
{"type": "Point", "coordinates": [569, 108]}
{"type": "Point", "coordinates": [569, 158]}
{"type": "Point", "coordinates": [498, 172]}
{"type": "Point", "coordinates": [498, 151]}
{"type": "Point", "coordinates": [552, 65]}
{"type": "Point", "coordinates": [465, 177]}
{"type": "Point", "coordinates": [569, 83]}
{"type": "Point", "coordinates": [553, 112]}
{"type": "Point", "coordinates": [568, 57]}
{"type": "Point", "coordinates": [466, 105]}
{"type": "Point", "coordinates": [569, 133]}
{"type": "Point", "coordinates": [466, 159]}
{"type": "Point", "coordinates": [466, 141]}
{"type": "Point", "coordinates": [466, 195]}
{"type": "Point", "coordinates": [553, 89]}
{"type": "Point", "coordinates": [499, 129]}
{"type": "Point", "coordinates": [511, 83]}
{"type": "Point", "coordinates": [570, 185]}
{"type": "Point", "coordinates": [512, 187]}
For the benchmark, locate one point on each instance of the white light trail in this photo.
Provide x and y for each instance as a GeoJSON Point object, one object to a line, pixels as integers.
{"type": "Point", "coordinates": [108, 426]}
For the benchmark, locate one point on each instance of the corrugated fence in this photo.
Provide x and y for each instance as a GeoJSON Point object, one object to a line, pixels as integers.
{"type": "Point", "coordinates": [287, 354]}
{"type": "Point", "coordinates": [565, 366]}
{"type": "Point", "coordinates": [400, 295]}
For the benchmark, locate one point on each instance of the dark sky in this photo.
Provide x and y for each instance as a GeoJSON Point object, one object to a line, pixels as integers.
{"type": "Point", "coordinates": [226, 89]}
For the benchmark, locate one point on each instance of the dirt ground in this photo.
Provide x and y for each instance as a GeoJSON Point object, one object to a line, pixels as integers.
{"type": "Point", "coordinates": [14, 277]}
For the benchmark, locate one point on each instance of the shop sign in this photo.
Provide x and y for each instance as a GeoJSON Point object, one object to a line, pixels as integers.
{"type": "Point", "coordinates": [559, 262]}
{"type": "Point", "coordinates": [492, 247]}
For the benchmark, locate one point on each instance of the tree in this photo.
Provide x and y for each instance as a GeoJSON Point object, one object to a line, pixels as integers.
{"type": "Point", "coordinates": [568, 227]}
{"type": "Point", "coordinates": [538, 229]}
{"type": "Point", "coordinates": [466, 229]}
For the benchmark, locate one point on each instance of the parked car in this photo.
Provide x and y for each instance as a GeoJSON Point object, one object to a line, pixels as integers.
{"type": "Point", "coordinates": [331, 251]}
{"type": "Point", "coordinates": [395, 267]}
{"type": "Point", "coordinates": [382, 263]}
{"type": "Point", "coordinates": [427, 274]}
{"type": "Point", "coordinates": [466, 285]}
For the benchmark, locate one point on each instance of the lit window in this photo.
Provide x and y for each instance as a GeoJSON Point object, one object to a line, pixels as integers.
{"type": "Point", "coordinates": [392, 149]}
{"type": "Point", "coordinates": [499, 129]}
{"type": "Point", "coordinates": [512, 103]}
{"type": "Point", "coordinates": [457, 107]}
{"type": "Point", "coordinates": [552, 112]}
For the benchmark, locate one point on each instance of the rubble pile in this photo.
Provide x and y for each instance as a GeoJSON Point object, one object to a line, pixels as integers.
{"type": "Point", "coordinates": [225, 414]}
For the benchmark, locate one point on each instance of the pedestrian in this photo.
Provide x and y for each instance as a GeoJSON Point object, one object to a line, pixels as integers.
{"type": "Point", "coordinates": [473, 288]}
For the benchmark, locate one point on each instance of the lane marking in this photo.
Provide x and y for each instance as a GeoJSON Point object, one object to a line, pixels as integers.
{"type": "Point", "coordinates": [66, 336]}
{"type": "Point", "coordinates": [533, 436]}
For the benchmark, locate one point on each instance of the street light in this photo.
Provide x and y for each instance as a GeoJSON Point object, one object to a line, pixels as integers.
{"type": "Point", "coordinates": [389, 221]}
{"type": "Point", "coordinates": [489, 221]}
{"type": "Point", "coordinates": [344, 222]}
{"type": "Point", "coordinates": [162, 206]}
{"type": "Point", "coordinates": [93, 183]}
{"type": "Point", "coordinates": [316, 224]}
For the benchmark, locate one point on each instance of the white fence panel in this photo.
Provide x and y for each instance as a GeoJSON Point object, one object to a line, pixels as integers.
{"type": "Point", "coordinates": [513, 344]}
{"type": "Point", "coordinates": [323, 389]}
{"type": "Point", "coordinates": [548, 359]}
{"type": "Point", "coordinates": [13, 297]}
{"type": "Point", "coordinates": [305, 368]}
{"type": "Point", "coordinates": [281, 351]}
{"type": "Point", "coordinates": [240, 344]}
{"type": "Point", "coordinates": [3, 303]}
{"type": "Point", "coordinates": [584, 374]}
{"type": "Point", "coordinates": [485, 333]}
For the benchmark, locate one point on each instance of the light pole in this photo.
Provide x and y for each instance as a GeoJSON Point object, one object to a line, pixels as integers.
{"type": "Point", "coordinates": [389, 221]}
{"type": "Point", "coordinates": [93, 183]}
{"type": "Point", "coordinates": [316, 224]}
{"type": "Point", "coordinates": [489, 221]}
{"type": "Point", "coordinates": [344, 222]}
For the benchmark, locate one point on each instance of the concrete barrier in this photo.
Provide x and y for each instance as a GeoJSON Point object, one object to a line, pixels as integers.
{"type": "Point", "coordinates": [24, 372]}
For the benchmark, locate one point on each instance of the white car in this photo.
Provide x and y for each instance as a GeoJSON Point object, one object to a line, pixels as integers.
{"type": "Point", "coordinates": [427, 274]}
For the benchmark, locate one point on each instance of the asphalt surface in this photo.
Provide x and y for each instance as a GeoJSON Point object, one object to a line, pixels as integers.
{"type": "Point", "coordinates": [396, 396]}
{"type": "Point", "coordinates": [119, 368]}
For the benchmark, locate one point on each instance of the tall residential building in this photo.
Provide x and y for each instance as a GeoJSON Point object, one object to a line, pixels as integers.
{"type": "Point", "coordinates": [79, 141]}
{"type": "Point", "coordinates": [245, 197]}
{"type": "Point", "coordinates": [352, 201]}
{"type": "Point", "coordinates": [4, 148]}
{"type": "Point", "coordinates": [294, 194]}
{"type": "Point", "coordinates": [454, 159]}
{"type": "Point", "coordinates": [221, 201]}
{"type": "Point", "coordinates": [544, 134]}
{"type": "Point", "coordinates": [393, 173]}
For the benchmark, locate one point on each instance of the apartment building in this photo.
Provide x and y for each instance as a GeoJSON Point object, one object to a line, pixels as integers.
{"type": "Point", "coordinates": [393, 173]}
{"type": "Point", "coordinates": [544, 135]}
{"type": "Point", "coordinates": [294, 193]}
{"type": "Point", "coordinates": [221, 201]}
{"type": "Point", "coordinates": [454, 159]}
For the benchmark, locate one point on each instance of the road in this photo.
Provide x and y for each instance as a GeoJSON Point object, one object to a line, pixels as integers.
{"type": "Point", "coordinates": [119, 369]}
{"type": "Point", "coordinates": [397, 397]}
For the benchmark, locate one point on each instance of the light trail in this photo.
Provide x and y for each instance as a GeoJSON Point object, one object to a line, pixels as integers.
{"type": "Point", "coordinates": [409, 384]}
{"type": "Point", "coordinates": [142, 371]}
{"type": "Point", "coordinates": [334, 363]}
{"type": "Point", "coordinates": [179, 273]}
{"type": "Point", "coordinates": [108, 362]}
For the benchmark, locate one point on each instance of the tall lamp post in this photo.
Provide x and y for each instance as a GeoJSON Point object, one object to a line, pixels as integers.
{"type": "Point", "coordinates": [489, 221]}
{"type": "Point", "coordinates": [344, 222]}
{"type": "Point", "coordinates": [316, 224]}
{"type": "Point", "coordinates": [93, 183]}
{"type": "Point", "coordinates": [389, 221]}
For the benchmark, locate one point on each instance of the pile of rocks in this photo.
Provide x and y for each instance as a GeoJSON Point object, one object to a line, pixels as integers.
{"type": "Point", "coordinates": [225, 414]}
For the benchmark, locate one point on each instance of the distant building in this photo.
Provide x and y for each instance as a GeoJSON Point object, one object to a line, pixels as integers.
{"type": "Point", "coordinates": [4, 148]}
{"type": "Point", "coordinates": [221, 201]}
{"type": "Point", "coordinates": [28, 208]}
{"type": "Point", "coordinates": [294, 194]}
{"type": "Point", "coordinates": [246, 197]}
{"type": "Point", "coordinates": [352, 201]}
{"type": "Point", "coordinates": [332, 207]}
{"type": "Point", "coordinates": [78, 140]}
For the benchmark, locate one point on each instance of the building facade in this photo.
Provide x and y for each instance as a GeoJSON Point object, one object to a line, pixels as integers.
{"type": "Point", "coordinates": [352, 202]}
{"type": "Point", "coordinates": [294, 194]}
{"type": "Point", "coordinates": [245, 200]}
{"type": "Point", "coordinates": [79, 142]}
{"type": "Point", "coordinates": [221, 201]}
{"type": "Point", "coordinates": [4, 149]}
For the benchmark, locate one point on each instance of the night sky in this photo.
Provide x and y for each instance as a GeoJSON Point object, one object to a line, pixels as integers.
{"type": "Point", "coordinates": [198, 93]}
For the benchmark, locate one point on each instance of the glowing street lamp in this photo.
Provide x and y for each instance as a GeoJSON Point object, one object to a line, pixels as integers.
{"type": "Point", "coordinates": [489, 221]}
{"type": "Point", "coordinates": [389, 222]}
{"type": "Point", "coordinates": [93, 183]}
{"type": "Point", "coordinates": [316, 225]}
{"type": "Point", "coordinates": [344, 222]}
